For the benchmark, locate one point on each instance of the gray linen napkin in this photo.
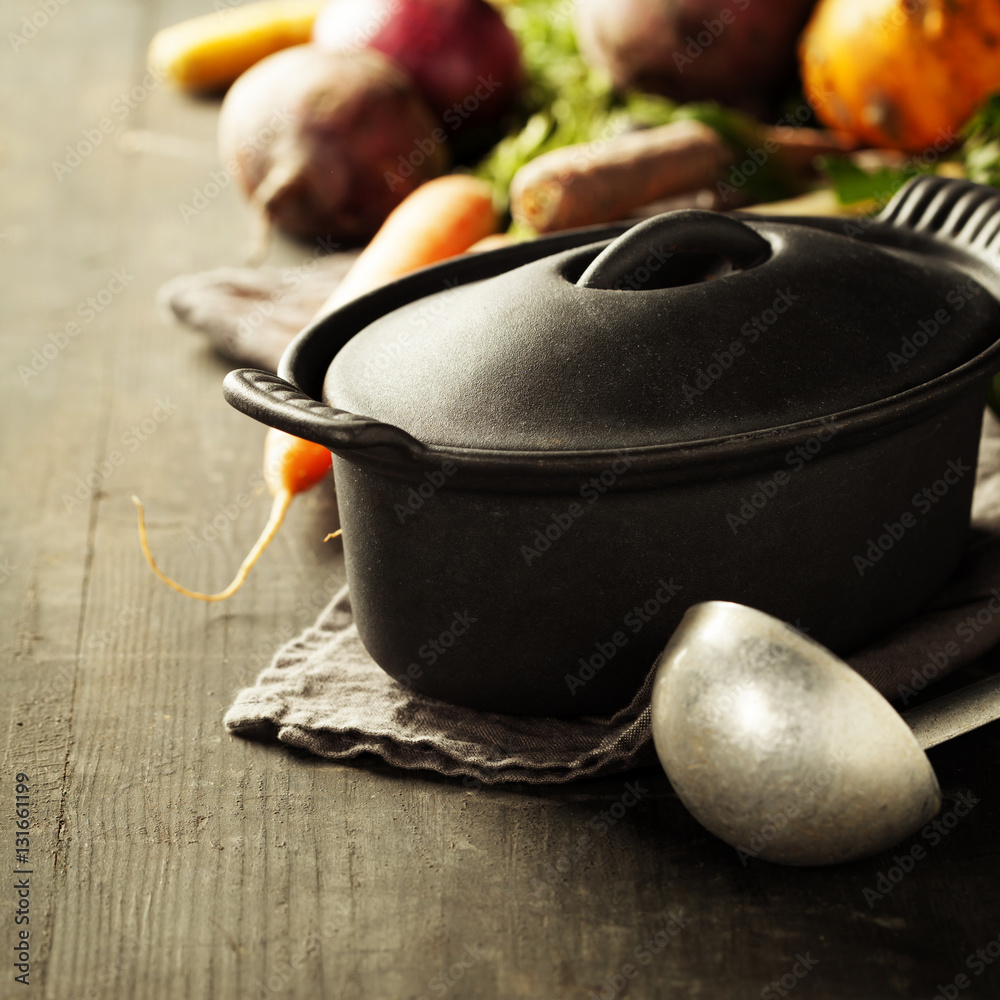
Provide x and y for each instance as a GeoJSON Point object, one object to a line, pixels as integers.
{"type": "Point", "coordinates": [325, 694]}
{"type": "Point", "coordinates": [251, 314]}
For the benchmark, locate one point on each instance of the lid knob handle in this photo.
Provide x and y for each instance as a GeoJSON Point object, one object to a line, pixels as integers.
{"type": "Point", "coordinates": [677, 248]}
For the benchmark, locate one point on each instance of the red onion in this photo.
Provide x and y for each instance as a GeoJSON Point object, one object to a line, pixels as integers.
{"type": "Point", "coordinates": [460, 53]}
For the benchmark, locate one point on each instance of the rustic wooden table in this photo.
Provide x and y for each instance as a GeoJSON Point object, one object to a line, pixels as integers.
{"type": "Point", "coordinates": [167, 859]}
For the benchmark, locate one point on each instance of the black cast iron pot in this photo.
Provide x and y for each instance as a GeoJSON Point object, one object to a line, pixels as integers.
{"type": "Point", "coordinates": [544, 454]}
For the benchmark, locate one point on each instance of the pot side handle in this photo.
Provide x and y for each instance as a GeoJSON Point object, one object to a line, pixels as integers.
{"type": "Point", "coordinates": [958, 211]}
{"type": "Point", "coordinates": [277, 403]}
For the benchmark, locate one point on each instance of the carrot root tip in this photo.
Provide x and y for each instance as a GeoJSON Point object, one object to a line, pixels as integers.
{"type": "Point", "coordinates": [279, 508]}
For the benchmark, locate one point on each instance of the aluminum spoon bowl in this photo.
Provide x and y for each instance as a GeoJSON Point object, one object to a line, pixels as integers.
{"type": "Point", "coordinates": [779, 748]}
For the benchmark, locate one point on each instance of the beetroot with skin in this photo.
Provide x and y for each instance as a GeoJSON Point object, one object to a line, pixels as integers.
{"type": "Point", "coordinates": [460, 53]}
{"type": "Point", "coordinates": [328, 143]}
{"type": "Point", "coordinates": [734, 51]}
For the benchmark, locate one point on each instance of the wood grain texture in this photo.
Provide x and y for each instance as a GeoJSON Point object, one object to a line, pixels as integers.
{"type": "Point", "coordinates": [173, 861]}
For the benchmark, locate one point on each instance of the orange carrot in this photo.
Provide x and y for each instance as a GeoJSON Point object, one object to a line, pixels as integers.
{"type": "Point", "coordinates": [440, 219]}
{"type": "Point", "coordinates": [291, 466]}
{"type": "Point", "coordinates": [495, 241]}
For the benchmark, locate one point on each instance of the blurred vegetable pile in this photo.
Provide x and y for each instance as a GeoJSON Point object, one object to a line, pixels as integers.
{"type": "Point", "coordinates": [584, 111]}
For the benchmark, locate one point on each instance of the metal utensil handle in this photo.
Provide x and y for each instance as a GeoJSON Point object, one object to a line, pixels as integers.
{"type": "Point", "coordinates": [954, 714]}
{"type": "Point", "coordinates": [960, 211]}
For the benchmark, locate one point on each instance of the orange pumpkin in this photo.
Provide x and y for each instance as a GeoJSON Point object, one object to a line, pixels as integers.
{"type": "Point", "coordinates": [903, 74]}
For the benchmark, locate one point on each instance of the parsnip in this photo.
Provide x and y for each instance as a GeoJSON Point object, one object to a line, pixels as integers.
{"type": "Point", "coordinates": [210, 52]}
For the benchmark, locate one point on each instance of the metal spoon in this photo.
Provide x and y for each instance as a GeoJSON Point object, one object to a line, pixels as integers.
{"type": "Point", "coordinates": [782, 750]}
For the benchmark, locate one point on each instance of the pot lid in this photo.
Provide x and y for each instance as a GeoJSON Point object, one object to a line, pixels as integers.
{"type": "Point", "coordinates": [691, 325]}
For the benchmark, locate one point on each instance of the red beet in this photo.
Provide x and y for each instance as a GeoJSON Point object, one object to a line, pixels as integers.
{"type": "Point", "coordinates": [460, 54]}
{"type": "Point", "coordinates": [734, 51]}
{"type": "Point", "coordinates": [328, 143]}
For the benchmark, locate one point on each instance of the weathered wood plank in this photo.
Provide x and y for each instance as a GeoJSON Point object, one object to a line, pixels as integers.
{"type": "Point", "coordinates": [55, 255]}
{"type": "Point", "coordinates": [175, 861]}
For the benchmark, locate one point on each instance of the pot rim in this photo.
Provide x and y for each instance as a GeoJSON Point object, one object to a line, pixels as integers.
{"type": "Point", "coordinates": [306, 360]}
{"type": "Point", "coordinates": [690, 460]}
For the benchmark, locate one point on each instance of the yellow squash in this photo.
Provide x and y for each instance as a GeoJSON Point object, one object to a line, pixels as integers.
{"type": "Point", "coordinates": [902, 74]}
{"type": "Point", "coordinates": [211, 51]}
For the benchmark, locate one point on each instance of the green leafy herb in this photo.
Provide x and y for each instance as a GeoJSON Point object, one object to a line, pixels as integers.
{"type": "Point", "coordinates": [981, 156]}
{"type": "Point", "coordinates": [981, 148]}
{"type": "Point", "coordinates": [978, 158]}
{"type": "Point", "coordinates": [568, 102]}
{"type": "Point", "coordinates": [852, 184]}
{"type": "Point", "coordinates": [756, 174]}
{"type": "Point", "coordinates": [565, 101]}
